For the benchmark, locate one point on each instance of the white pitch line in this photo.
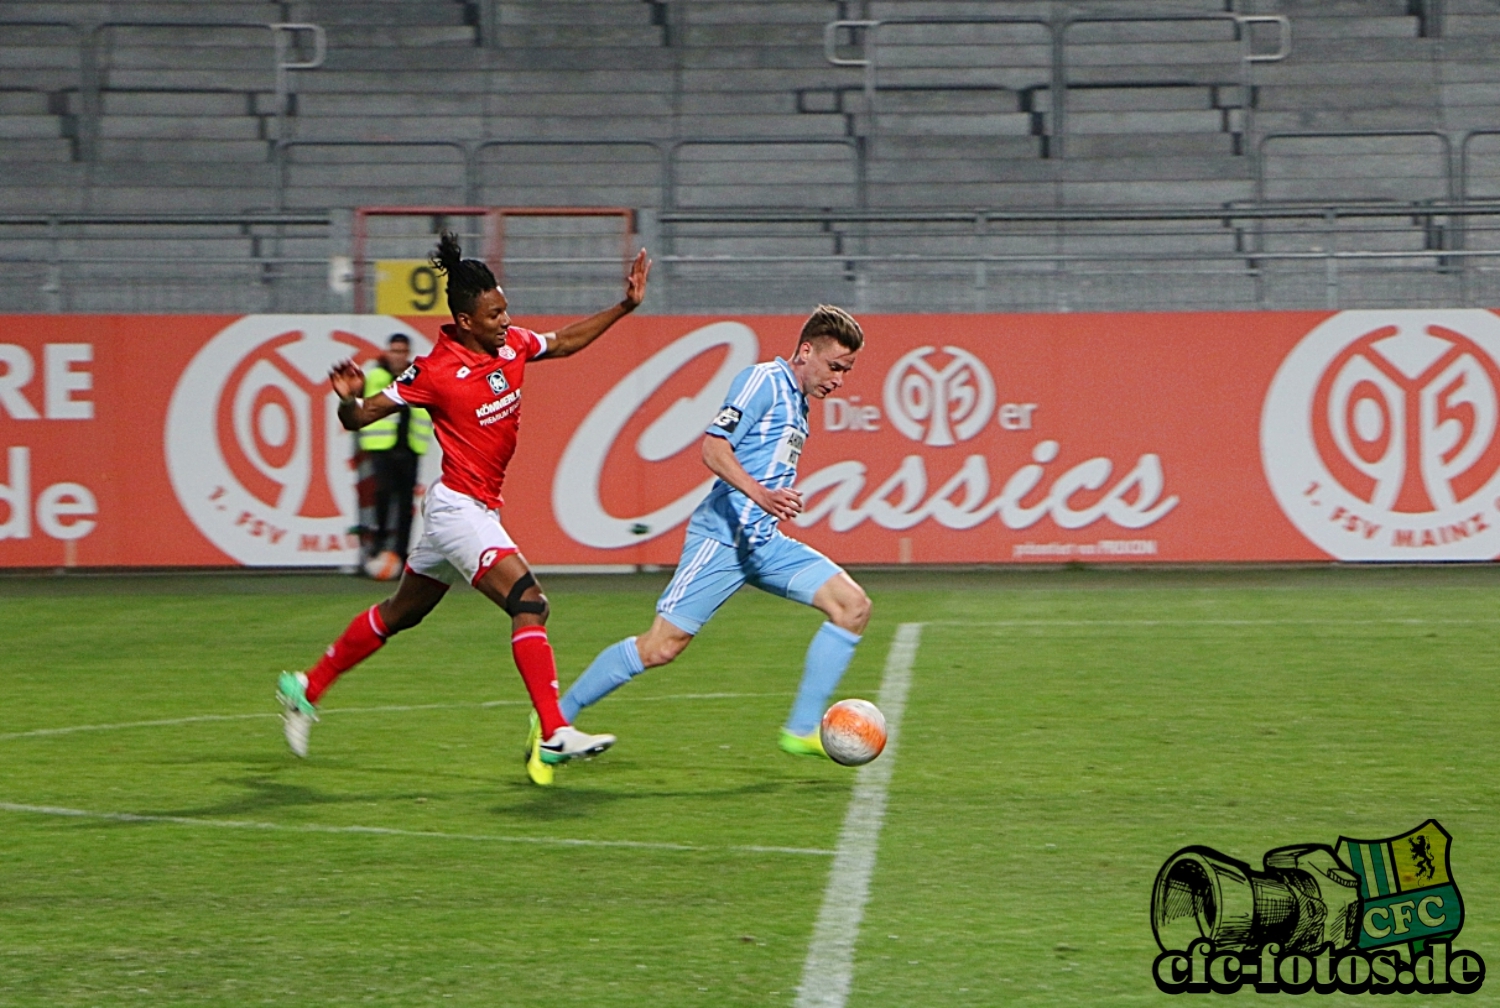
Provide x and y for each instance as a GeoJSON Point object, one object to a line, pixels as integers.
{"type": "Point", "coordinates": [1394, 621]}
{"type": "Point", "coordinates": [829, 968]}
{"type": "Point", "coordinates": [194, 719]}
{"type": "Point", "coordinates": [131, 817]}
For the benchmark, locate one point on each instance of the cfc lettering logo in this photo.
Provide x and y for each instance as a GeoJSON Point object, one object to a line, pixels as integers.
{"type": "Point", "coordinates": [254, 448]}
{"type": "Point", "coordinates": [939, 407]}
{"type": "Point", "coordinates": [1361, 916]}
{"type": "Point", "coordinates": [1380, 435]}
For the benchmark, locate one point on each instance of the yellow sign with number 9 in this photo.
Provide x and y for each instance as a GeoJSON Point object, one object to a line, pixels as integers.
{"type": "Point", "coordinates": [409, 287]}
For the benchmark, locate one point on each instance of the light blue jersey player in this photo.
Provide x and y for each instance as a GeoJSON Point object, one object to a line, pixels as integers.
{"type": "Point", "coordinates": [753, 446]}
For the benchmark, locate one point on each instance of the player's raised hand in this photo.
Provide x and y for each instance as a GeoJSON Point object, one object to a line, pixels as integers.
{"type": "Point", "coordinates": [635, 281]}
{"type": "Point", "coordinates": [784, 504]}
{"type": "Point", "coordinates": [347, 379]}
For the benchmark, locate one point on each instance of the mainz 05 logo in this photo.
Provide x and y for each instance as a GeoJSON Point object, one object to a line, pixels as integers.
{"type": "Point", "coordinates": [1377, 916]}
{"type": "Point", "coordinates": [1380, 435]}
{"type": "Point", "coordinates": [254, 447]}
{"type": "Point", "coordinates": [939, 407]}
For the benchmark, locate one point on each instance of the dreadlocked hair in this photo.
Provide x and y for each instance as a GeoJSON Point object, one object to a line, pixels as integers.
{"type": "Point", "coordinates": [467, 278]}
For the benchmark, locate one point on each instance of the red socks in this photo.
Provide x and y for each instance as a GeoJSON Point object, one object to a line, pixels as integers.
{"type": "Point", "coordinates": [367, 634]}
{"type": "Point", "coordinates": [533, 653]}
{"type": "Point", "coordinates": [362, 638]}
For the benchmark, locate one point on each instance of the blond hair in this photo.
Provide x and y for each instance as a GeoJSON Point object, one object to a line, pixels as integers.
{"type": "Point", "coordinates": [828, 322]}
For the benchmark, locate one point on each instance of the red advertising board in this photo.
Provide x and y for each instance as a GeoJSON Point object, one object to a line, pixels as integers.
{"type": "Point", "coordinates": [1360, 435]}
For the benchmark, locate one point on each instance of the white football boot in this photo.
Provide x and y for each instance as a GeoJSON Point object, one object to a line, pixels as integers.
{"type": "Point", "coordinates": [569, 743]}
{"type": "Point", "coordinates": [298, 712]}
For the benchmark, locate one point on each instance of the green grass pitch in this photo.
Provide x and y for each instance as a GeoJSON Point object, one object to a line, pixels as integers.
{"type": "Point", "coordinates": [1065, 732]}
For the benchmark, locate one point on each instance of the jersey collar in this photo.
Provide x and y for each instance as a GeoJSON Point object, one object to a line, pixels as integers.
{"type": "Point", "coordinates": [791, 379]}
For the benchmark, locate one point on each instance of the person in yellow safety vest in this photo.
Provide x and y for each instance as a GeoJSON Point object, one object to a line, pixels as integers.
{"type": "Point", "coordinates": [395, 446]}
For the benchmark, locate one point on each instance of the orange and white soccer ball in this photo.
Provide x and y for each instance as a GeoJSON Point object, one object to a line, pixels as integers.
{"type": "Point", "coordinates": [384, 566]}
{"type": "Point", "coordinates": [853, 732]}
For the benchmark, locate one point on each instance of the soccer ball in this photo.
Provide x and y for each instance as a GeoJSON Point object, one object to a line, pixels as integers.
{"type": "Point", "coordinates": [384, 566]}
{"type": "Point", "coordinates": [853, 732]}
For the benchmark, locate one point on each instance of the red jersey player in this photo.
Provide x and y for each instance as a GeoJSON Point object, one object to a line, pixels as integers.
{"type": "Point", "coordinates": [471, 384]}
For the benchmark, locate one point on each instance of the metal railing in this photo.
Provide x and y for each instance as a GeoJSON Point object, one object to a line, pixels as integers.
{"type": "Point", "coordinates": [493, 227]}
{"type": "Point", "coordinates": [62, 262]}
{"type": "Point", "coordinates": [1357, 255]}
{"type": "Point", "coordinates": [1148, 250]}
{"type": "Point", "coordinates": [1069, 287]}
{"type": "Point", "coordinates": [1057, 30]}
{"type": "Point", "coordinates": [1464, 182]}
{"type": "Point", "coordinates": [285, 33]}
{"type": "Point", "coordinates": [92, 41]}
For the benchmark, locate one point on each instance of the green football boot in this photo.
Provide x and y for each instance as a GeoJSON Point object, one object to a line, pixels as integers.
{"type": "Point", "coordinates": [810, 744]}
{"type": "Point", "coordinates": [298, 712]}
{"type": "Point", "coordinates": [537, 769]}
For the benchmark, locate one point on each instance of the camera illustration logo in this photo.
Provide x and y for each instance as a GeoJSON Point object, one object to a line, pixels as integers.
{"type": "Point", "coordinates": [254, 447]}
{"type": "Point", "coordinates": [1380, 435]}
{"type": "Point", "coordinates": [939, 407]}
{"type": "Point", "coordinates": [1376, 916]}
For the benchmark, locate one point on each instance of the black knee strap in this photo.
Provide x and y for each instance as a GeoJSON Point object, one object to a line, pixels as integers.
{"type": "Point", "coordinates": [514, 605]}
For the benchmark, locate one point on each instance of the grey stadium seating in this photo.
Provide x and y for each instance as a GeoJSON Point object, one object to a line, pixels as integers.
{"type": "Point", "coordinates": [741, 145]}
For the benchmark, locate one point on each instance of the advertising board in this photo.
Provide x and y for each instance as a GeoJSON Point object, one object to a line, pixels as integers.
{"type": "Point", "coordinates": [1181, 437]}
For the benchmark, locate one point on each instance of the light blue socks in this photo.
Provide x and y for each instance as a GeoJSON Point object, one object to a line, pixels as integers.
{"type": "Point", "coordinates": [827, 657]}
{"type": "Point", "coordinates": [615, 666]}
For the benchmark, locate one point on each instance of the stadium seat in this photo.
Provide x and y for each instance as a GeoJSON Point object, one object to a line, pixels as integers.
{"type": "Point", "coordinates": [731, 104]}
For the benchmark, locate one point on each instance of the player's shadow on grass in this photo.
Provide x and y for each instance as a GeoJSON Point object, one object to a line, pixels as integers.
{"type": "Point", "coordinates": [582, 801]}
{"type": "Point", "coordinates": [264, 794]}
{"type": "Point", "coordinates": [278, 762]}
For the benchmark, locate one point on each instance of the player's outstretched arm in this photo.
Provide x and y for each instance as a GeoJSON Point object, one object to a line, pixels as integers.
{"type": "Point", "coordinates": [349, 381]}
{"type": "Point", "coordinates": [573, 338]}
{"type": "Point", "coordinates": [783, 504]}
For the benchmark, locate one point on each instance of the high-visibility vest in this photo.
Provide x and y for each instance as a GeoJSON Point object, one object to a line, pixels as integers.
{"type": "Point", "coordinates": [382, 435]}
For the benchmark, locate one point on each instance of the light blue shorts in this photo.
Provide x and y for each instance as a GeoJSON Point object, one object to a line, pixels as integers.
{"type": "Point", "coordinates": [710, 571]}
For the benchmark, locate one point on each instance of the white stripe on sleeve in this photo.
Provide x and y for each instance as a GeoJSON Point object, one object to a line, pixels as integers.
{"type": "Point", "coordinates": [751, 387]}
